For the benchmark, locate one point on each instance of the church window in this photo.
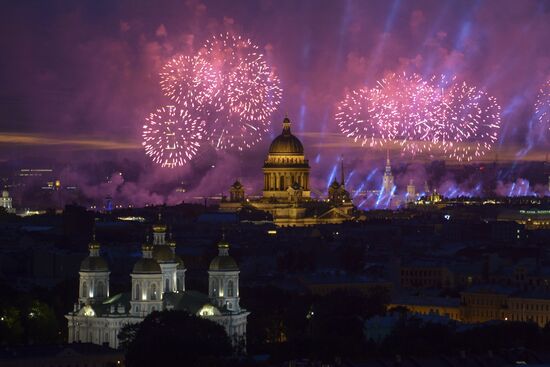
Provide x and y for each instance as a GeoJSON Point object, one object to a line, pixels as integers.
{"type": "Point", "coordinates": [230, 288]}
{"type": "Point", "coordinates": [153, 292]}
{"type": "Point", "coordinates": [100, 289]}
{"type": "Point", "coordinates": [214, 287]}
{"type": "Point", "coordinates": [84, 289]}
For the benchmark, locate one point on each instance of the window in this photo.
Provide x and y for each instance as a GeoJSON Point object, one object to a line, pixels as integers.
{"type": "Point", "coordinates": [178, 284]}
{"type": "Point", "coordinates": [138, 293]}
{"type": "Point", "coordinates": [214, 288]}
{"type": "Point", "coordinates": [167, 285]}
{"type": "Point", "coordinates": [100, 289]}
{"type": "Point", "coordinates": [230, 288]}
{"type": "Point", "coordinates": [153, 296]}
{"type": "Point", "coordinates": [84, 289]}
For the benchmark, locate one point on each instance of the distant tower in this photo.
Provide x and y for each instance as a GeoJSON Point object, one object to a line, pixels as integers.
{"type": "Point", "coordinates": [146, 284]}
{"type": "Point", "coordinates": [236, 192]}
{"type": "Point", "coordinates": [223, 279]}
{"type": "Point", "coordinates": [387, 183]}
{"type": "Point", "coordinates": [342, 178]}
{"type": "Point", "coordinates": [159, 232]}
{"type": "Point", "coordinates": [411, 192]}
{"type": "Point", "coordinates": [94, 276]}
{"type": "Point", "coordinates": [6, 202]}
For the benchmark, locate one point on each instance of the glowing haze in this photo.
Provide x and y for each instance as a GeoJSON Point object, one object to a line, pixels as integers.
{"type": "Point", "coordinates": [94, 71]}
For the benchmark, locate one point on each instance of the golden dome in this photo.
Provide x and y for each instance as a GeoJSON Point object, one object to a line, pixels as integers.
{"type": "Point", "coordinates": [286, 143]}
{"type": "Point", "coordinates": [159, 226]}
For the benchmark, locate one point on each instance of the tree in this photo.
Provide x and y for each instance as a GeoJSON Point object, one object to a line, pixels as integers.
{"type": "Point", "coordinates": [40, 323]}
{"type": "Point", "coordinates": [11, 330]}
{"type": "Point", "coordinates": [168, 336]}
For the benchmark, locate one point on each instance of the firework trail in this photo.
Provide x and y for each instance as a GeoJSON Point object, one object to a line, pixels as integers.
{"type": "Point", "coordinates": [246, 93]}
{"type": "Point", "coordinates": [542, 105]}
{"type": "Point", "coordinates": [171, 136]}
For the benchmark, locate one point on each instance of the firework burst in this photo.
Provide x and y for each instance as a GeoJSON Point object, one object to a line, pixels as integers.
{"type": "Point", "coordinates": [361, 116]}
{"type": "Point", "coordinates": [411, 100]}
{"type": "Point", "coordinates": [542, 105]}
{"type": "Point", "coordinates": [171, 136]}
{"type": "Point", "coordinates": [247, 92]}
{"type": "Point", "coordinates": [189, 80]}
{"type": "Point", "coordinates": [457, 119]}
{"type": "Point", "coordinates": [467, 122]}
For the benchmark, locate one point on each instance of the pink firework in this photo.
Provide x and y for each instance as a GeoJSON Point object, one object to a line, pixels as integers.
{"type": "Point", "coordinates": [362, 116]}
{"type": "Point", "coordinates": [189, 80]}
{"type": "Point", "coordinates": [411, 100]}
{"type": "Point", "coordinates": [467, 123]}
{"type": "Point", "coordinates": [542, 105]}
{"type": "Point", "coordinates": [247, 92]}
{"type": "Point", "coordinates": [171, 136]}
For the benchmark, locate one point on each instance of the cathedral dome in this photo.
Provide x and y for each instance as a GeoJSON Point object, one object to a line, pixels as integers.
{"type": "Point", "coordinates": [94, 263]}
{"type": "Point", "coordinates": [146, 266]}
{"type": "Point", "coordinates": [286, 143]}
{"type": "Point", "coordinates": [223, 262]}
{"type": "Point", "coordinates": [180, 262]}
{"type": "Point", "coordinates": [163, 253]}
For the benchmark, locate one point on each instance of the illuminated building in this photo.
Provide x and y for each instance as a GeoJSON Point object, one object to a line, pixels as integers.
{"type": "Point", "coordinates": [158, 283]}
{"type": "Point", "coordinates": [286, 192]}
{"type": "Point", "coordinates": [6, 202]}
{"type": "Point", "coordinates": [286, 166]}
{"type": "Point", "coordinates": [411, 192]}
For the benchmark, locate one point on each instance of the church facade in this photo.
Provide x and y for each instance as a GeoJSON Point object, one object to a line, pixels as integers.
{"type": "Point", "coordinates": [158, 283]}
{"type": "Point", "coordinates": [286, 191]}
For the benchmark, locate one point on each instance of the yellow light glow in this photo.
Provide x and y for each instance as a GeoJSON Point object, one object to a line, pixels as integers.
{"type": "Point", "coordinates": [88, 311]}
{"type": "Point", "coordinates": [207, 310]}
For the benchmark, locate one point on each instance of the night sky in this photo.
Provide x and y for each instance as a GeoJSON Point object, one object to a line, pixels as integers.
{"type": "Point", "coordinates": [78, 78]}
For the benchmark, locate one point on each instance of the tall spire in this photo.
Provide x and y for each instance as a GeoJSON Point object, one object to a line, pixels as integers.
{"type": "Point", "coordinates": [286, 126]}
{"type": "Point", "coordinates": [342, 177]}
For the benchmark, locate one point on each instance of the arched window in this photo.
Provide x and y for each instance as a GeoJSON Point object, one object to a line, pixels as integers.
{"type": "Point", "coordinates": [153, 296]}
{"type": "Point", "coordinates": [100, 289]}
{"type": "Point", "coordinates": [214, 288]}
{"type": "Point", "coordinates": [230, 288]}
{"type": "Point", "coordinates": [84, 289]}
{"type": "Point", "coordinates": [138, 293]}
{"type": "Point", "coordinates": [167, 285]}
